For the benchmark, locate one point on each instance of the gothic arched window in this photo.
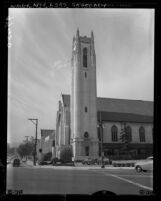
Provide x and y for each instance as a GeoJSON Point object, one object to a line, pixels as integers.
{"type": "Point", "coordinates": [87, 151]}
{"type": "Point", "coordinates": [86, 109]}
{"type": "Point", "coordinates": [85, 57]}
{"type": "Point", "coordinates": [142, 134]}
{"type": "Point", "coordinates": [114, 132]}
{"type": "Point", "coordinates": [129, 132]}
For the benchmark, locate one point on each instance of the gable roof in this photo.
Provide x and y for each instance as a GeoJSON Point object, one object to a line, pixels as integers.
{"type": "Point", "coordinates": [125, 106]}
{"type": "Point", "coordinates": [47, 132]}
{"type": "Point", "coordinates": [121, 109]}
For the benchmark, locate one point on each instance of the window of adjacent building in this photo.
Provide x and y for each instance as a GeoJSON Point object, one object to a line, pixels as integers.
{"type": "Point", "coordinates": [85, 57]}
{"type": "Point", "coordinates": [53, 143]}
{"type": "Point", "coordinates": [129, 132]}
{"type": "Point", "coordinates": [87, 151]}
{"type": "Point", "coordinates": [114, 132]}
{"type": "Point", "coordinates": [142, 134]}
{"type": "Point", "coordinates": [86, 109]}
{"type": "Point", "coordinates": [85, 74]}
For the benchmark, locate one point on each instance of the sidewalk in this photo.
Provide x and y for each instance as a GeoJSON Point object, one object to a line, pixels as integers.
{"type": "Point", "coordinates": [77, 167]}
{"type": "Point", "coordinates": [80, 168]}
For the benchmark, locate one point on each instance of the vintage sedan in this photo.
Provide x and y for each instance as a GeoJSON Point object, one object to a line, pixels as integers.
{"type": "Point", "coordinates": [144, 165]}
{"type": "Point", "coordinates": [88, 161]}
{"type": "Point", "coordinates": [16, 162]}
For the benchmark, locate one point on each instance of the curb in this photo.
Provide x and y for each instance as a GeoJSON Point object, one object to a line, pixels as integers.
{"type": "Point", "coordinates": [123, 164]}
{"type": "Point", "coordinates": [80, 168]}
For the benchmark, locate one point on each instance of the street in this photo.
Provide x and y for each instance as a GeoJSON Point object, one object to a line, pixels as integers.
{"type": "Point", "coordinates": [75, 180]}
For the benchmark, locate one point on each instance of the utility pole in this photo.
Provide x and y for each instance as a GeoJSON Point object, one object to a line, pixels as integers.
{"type": "Point", "coordinates": [34, 121]}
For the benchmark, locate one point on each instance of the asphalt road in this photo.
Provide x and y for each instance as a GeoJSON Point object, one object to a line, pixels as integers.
{"type": "Point", "coordinates": [72, 180]}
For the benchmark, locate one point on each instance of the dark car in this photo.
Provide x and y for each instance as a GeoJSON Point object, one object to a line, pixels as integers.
{"type": "Point", "coordinates": [56, 161]}
{"type": "Point", "coordinates": [16, 162]}
{"type": "Point", "coordinates": [105, 161]}
{"type": "Point", "coordinates": [88, 161]}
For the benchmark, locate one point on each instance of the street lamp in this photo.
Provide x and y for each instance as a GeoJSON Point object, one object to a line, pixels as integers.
{"type": "Point", "coordinates": [101, 133]}
{"type": "Point", "coordinates": [33, 121]}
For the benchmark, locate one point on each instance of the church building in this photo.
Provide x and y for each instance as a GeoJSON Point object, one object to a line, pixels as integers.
{"type": "Point", "coordinates": [90, 124]}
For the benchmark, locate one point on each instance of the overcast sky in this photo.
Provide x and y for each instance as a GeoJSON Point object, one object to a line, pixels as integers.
{"type": "Point", "coordinates": [39, 67]}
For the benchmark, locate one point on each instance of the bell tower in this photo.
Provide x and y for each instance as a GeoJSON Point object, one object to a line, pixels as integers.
{"type": "Point", "coordinates": [84, 137]}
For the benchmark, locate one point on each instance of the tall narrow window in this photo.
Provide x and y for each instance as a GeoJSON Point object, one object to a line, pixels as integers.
{"type": "Point", "coordinates": [85, 109]}
{"type": "Point", "coordinates": [142, 134]}
{"type": "Point", "coordinates": [85, 74]}
{"type": "Point", "coordinates": [87, 151]}
{"type": "Point", "coordinates": [85, 57]}
{"type": "Point", "coordinates": [114, 131]}
{"type": "Point", "coordinates": [129, 132]}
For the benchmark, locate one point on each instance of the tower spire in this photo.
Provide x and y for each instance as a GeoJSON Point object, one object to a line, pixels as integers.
{"type": "Point", "coordinates": [92, 35]}
{"type": "Point", "coordinates": [92, 43]}
{"type": "Point", "coordinates": [77, 34]}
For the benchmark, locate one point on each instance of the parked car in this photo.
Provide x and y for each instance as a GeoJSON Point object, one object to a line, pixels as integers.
{"type": "Point", "coordinates": [144, 165]}
{"type": "Point", "coordinates": [88, 161]}
{"type": "Point", "coordinates": [56, 161]}
{"type": "Point", "coordinates": [16, 162]}
{"type": "Point", "coordinates": [106, 161]}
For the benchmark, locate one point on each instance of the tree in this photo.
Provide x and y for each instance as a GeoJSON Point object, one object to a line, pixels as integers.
{"type": "Point", "coordinates": [125, 138]}
{"type": "Point", "coordinates": [11, 150]}
{"type": "Point", "coordinates": [25, 149]}
{"type": "Point", "coordinates": [66, 154]}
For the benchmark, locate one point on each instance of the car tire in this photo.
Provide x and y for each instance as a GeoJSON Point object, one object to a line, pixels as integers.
{"type": "Point", "coordinates": [139, 169]}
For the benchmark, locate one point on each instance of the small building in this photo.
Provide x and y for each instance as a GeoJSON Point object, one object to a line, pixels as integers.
{"type": "Point", "coordinates": [47, 141]}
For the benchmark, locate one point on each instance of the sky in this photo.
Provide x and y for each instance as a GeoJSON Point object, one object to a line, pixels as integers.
{"type": "Point", "coordinates": [39, 55]}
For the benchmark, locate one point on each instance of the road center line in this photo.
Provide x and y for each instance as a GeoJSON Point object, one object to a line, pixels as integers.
{"type": "Point", "coordinates": [128, 175]}
{"type": "Point", "coordinates": [131, 182]}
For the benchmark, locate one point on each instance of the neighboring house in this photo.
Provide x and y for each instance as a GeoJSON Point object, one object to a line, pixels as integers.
{"type": "Point", "coordinates": [47, 141]}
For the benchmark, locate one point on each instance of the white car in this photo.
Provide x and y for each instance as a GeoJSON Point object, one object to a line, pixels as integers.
{"type": "Point", "coordinates": [144, 165]}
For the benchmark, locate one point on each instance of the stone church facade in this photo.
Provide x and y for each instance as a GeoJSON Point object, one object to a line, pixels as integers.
{"type": "Point", "coordinates": [79, 114]}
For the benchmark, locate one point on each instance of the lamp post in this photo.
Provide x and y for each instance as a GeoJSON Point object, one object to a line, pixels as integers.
{"type": "Point", "coordinates": [101, 133]}
{"type": "Point", "coordinates": [36, 124]}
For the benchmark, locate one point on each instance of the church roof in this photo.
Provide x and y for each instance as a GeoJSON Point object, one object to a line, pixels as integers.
{"type": "Point", "coordinates": [125, 106]}
{"type": "Point", "coordinates": [121, 109]}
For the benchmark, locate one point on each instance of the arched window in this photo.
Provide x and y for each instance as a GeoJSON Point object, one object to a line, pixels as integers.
{"type": "Point", "coordinates": [114, 132]}
{"type": "Point", "coordinates": [142, 134]}
{"type": "Point", "coordinates": [87, 151]}
{"type": "Point", "coordinates": [129, 133]}
{"type": "Point", "coordinates": [85, 57]}
{"type": "Point", "coordinates": [86, 109]}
